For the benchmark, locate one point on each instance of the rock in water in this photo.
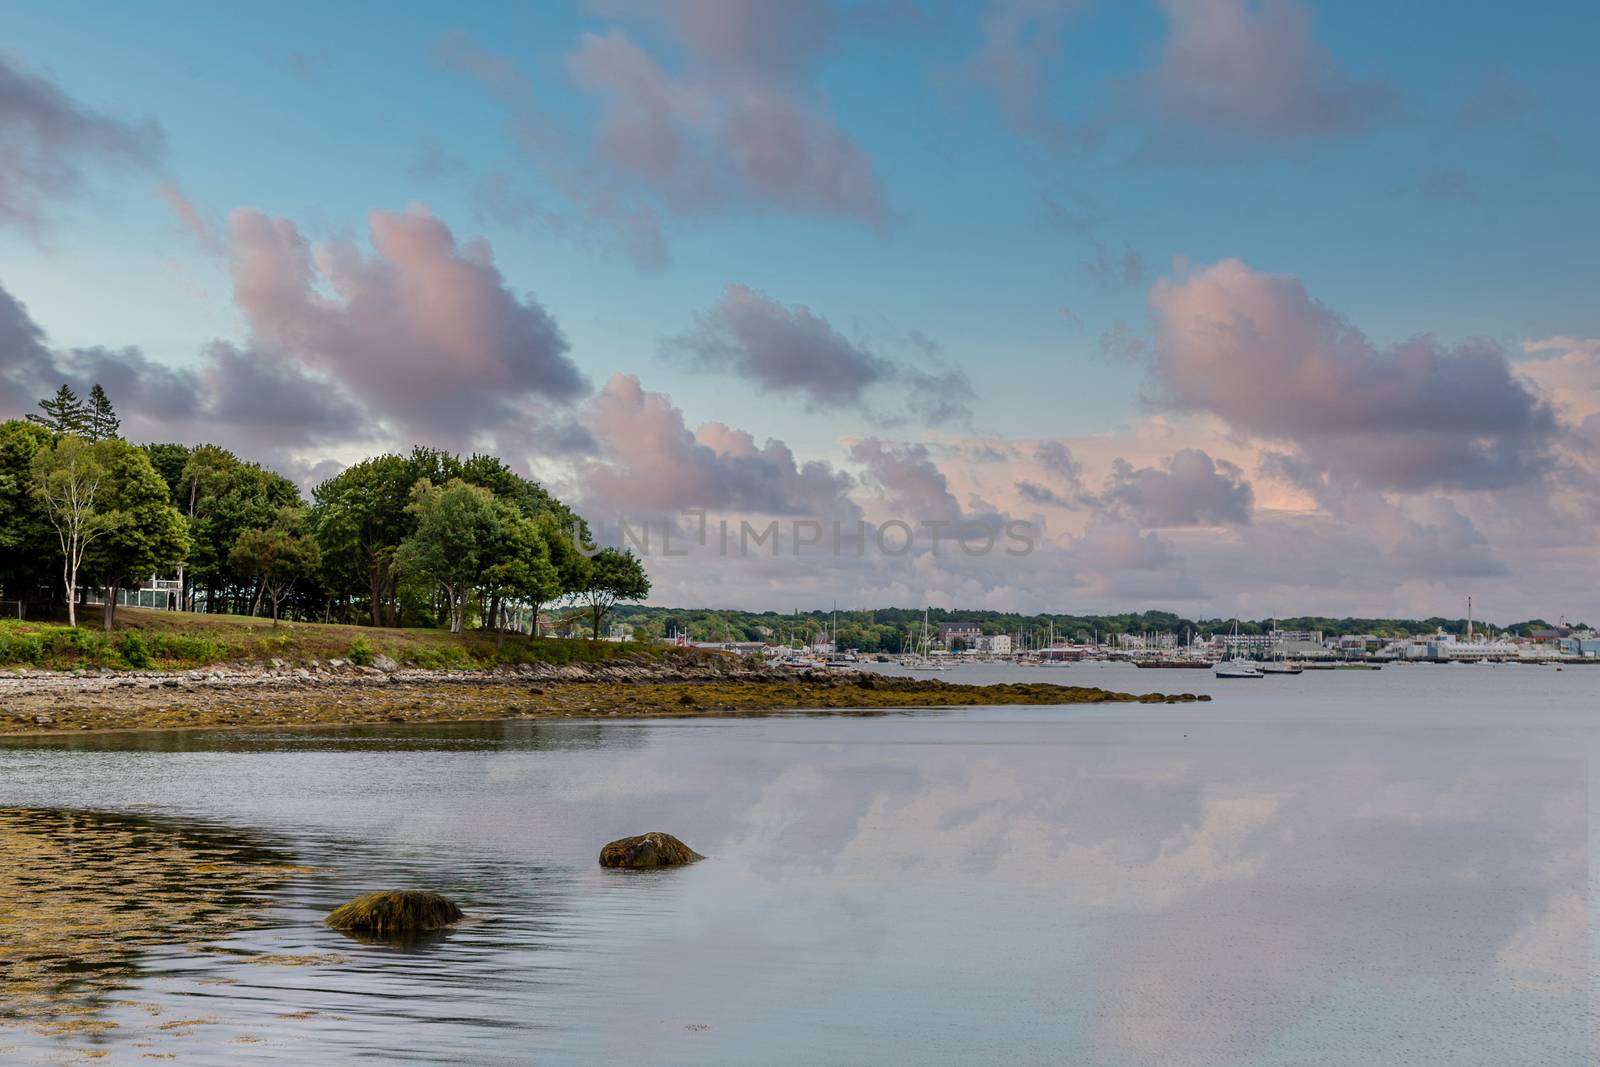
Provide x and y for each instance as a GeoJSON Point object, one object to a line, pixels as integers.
{"type": "Point", "coordinates": [393, 912]}
{"type": "Point", "coordinates": [647, 851]}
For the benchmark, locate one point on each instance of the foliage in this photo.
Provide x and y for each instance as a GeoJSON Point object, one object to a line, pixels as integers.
{"type": "Point", "coordinates": [277, 557]}
{"type": "Point", "coordinates": [100, 422]}
{"type": "Point", "coordinates": [62, 413]}
{"type": "Point", "coordinates": [70, 480]}
{"type": "Point", "coordinates": [147, 535]}
{"type": "Point", "coordinates": [455, 543]}
{"type": "Point", "coordinates": [609, 576]}
{"type": "Point", "coordinates": [361, 653]}
{"type": "Point", "coordinates": [135, 652]}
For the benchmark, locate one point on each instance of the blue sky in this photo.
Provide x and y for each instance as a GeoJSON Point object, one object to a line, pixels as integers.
{"type": "Point", "coordinates": [1458, 200]}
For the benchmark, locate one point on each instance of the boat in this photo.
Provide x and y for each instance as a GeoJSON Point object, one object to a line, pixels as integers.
{"type": "Point", "coordinates": [1238, 669]}
{"type": "Point", "coordinates": [922, 660]}
{"type": "Point", "coordinates": [1358, 666]}
{"type": "Point", "coordinates": [1279, 667]}
{"type": "Point", "coordinates": [1235, 667]}
{"type": "Point", "coordinates": [1175, 663]}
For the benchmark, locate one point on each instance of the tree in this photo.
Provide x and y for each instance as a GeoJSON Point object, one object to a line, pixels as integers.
{"type": "Point", "coordinates": [70, 480]}
{"type": "Point", "coordinates": [360, 517]}
{"type": "Point", "coordinates": [458, 526]}
{"type": "Point", "coordinates": [100, 421]}
{"type": "Point", "coordinates": [520, 567]}
{"type": "Point", "coordinates": [27, 543]}
{"type": "Point", "coordinates": [610, 576]}
{"type": "Point", "coordinates": [63, 413]}
{"type": "Point", "coordinates": [277, 557]}
{"type": "Point", "coordinates": [147, 536]}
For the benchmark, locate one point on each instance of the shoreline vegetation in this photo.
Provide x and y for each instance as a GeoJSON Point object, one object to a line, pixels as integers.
{"type": "Point", "coordinates": [219, 672]}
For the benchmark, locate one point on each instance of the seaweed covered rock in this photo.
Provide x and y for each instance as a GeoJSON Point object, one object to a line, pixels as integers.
{"type": "Point", "coordinates": [647, 851]}
{"type": "Point", "coordinates": [395, 912]}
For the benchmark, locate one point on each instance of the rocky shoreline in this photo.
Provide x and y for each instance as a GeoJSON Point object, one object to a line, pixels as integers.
{"type": "Point", "coordinates": [336, 692]}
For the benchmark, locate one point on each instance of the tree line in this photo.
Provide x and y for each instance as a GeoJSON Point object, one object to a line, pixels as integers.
{"type": "Point", "coordinates": [897, 630]}
{"type": "Point", "coordinates": [425, 539]}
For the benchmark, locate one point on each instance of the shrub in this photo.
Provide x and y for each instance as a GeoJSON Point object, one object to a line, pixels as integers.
{"type": "Point", "coordinates": [21, 648]}
{"type": "Point", "coordinates": [361, 653]}
{"type": "Point", "coordinates": [135, 652]}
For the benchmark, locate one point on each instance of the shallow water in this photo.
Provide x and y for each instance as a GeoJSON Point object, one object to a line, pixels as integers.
{"type": "Point", "coordinates": [1337, 868]}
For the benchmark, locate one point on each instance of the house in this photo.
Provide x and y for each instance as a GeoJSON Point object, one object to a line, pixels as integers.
{"type": "Point", "coordinates": [957, 636]}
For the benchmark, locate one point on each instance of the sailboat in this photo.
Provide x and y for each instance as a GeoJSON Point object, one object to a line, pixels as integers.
{"type": "Point", "coordinates": [1233, 667]}
{"type": "Point", "coordinates": [921, 661]}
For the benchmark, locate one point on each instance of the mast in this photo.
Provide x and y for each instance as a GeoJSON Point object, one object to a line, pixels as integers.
{"type": "Point", "coordinates": [1469, 618]}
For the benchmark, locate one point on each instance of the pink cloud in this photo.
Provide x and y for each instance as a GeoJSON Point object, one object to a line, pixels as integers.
{"type": "Point", "coordinates": [424, 330]}
{"type": "Point", "coordinates": [652, 463]}
{"type": "Point", "coordinates": [727, 128]}
{"type": "Point", "coordinates": [1258, 351]}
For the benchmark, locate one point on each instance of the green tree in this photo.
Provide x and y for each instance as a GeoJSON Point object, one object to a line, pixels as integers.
{"type": "Point", "coordinates": [361, 518]}
{"type": "Point", "coordinates": [62, 413]}
{"type": "Point", "coordinates": [27, 543]}
{"type": "Point", "coordinates": [278, 557]}
{"type": "Point", "coordinates": [147, 535]}
{"type": "Point", "coordinates": [520, 566]}
{"type": "Point", "coordinates": [72, 483]}
{"type": "Point", "coordinates": [458, 527]}
{"type": "Point", "coordinates": [100, 422]}
{"type": "Point", "coordinates": [228, 497]}
{"type": "Point", "coordinates": [607, 577]}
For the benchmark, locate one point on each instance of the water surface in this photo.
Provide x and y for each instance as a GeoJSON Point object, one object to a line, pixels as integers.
{"type": "Point", "coordinates": [1337, 868]}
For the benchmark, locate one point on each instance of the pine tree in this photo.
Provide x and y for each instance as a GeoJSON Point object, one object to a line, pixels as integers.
{"type": "Point", "coordinates": [63, 413]}
{"type": "Point", "coordinates": [102, 422]}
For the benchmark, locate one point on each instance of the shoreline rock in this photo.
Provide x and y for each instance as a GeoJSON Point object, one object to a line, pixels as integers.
{"type": "Point", "coordinates": [647, 852]}
{"type": "Point", "coordinates": [394, 913]}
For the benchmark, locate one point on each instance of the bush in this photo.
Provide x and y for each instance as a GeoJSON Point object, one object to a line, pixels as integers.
{"type": "Point", "coordinates": [361, 653]}
{"type": "Point", "coordinates": [20, 648]}
{"type": "Point", "coordinates": [135, 652]}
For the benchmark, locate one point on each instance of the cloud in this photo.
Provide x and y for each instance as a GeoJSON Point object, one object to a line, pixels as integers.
{"type": "Point", "coordinates": [724, 131]}
{"type": "Point", "coordinates": [191, 220]}
{"type": "Point", "coordinates": [1254, 70]}
{"type": "Point", "coordinates": [48, 143]}
{"type": "Point", "coordinates": [651, 463]}
{"type": "Point", "coordinates": [1188, 489]}
{"type": "Point", "coordinates": [425, 331]}
{"type": "Point", "coordinates": [258, 402]}
{"type": "Point", "coordinates": [908, 481]}
{"type": "Point", "coordinates": [1022, 40]}
{"type": "Point", "coordinates": [794, 350]}
{"type": "Point", "coordinates": [1567, 371]}
{"type": "Point", "coordinates": [1258, 351]}
{"type": "Point", "coordinates": [735, 123]}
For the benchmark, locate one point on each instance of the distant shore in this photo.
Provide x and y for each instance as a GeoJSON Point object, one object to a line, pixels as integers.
{"type": "Point", "coordinates": [339, 693]}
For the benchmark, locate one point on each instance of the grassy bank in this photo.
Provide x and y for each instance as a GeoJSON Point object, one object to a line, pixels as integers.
{"type": "Point", "coordinates": [164, 640]}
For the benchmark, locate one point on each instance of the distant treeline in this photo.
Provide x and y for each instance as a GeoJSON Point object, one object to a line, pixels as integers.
{"type": "Point", "coordinates": [423, 539]}
{"type": "Point", "coordinates": [899, 629]}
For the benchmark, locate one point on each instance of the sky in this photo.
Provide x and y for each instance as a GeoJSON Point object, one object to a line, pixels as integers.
{"type": "Point", "coordinates": [1225, 307]}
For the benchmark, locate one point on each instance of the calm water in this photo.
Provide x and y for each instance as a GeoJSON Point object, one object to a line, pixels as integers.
{"type": "Point", "coordinates": [1338, 868]}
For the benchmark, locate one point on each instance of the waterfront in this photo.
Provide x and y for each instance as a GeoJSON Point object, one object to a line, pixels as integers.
{"type": "Point", "coordinates": [1354, 868]}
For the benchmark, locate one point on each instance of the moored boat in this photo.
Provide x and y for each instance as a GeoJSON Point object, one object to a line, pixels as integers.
{"type": "Point", "coordinates": [1237, 669]}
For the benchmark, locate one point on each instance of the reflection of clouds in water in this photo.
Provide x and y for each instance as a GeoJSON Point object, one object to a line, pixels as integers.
{"type": "Point", "coordinates": [1551, 953]}
{"type": "Point", "coordinates": [1243, 884]}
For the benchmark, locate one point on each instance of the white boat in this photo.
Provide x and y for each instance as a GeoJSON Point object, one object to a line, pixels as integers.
{"type": "Point", "coordinates": [1278, 667]}
{"type": "Point", "coordinates": [1238, 669]}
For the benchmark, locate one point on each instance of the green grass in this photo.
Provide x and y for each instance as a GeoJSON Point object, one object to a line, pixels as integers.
{"type": "Point", "coordinates": [158, 640]}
